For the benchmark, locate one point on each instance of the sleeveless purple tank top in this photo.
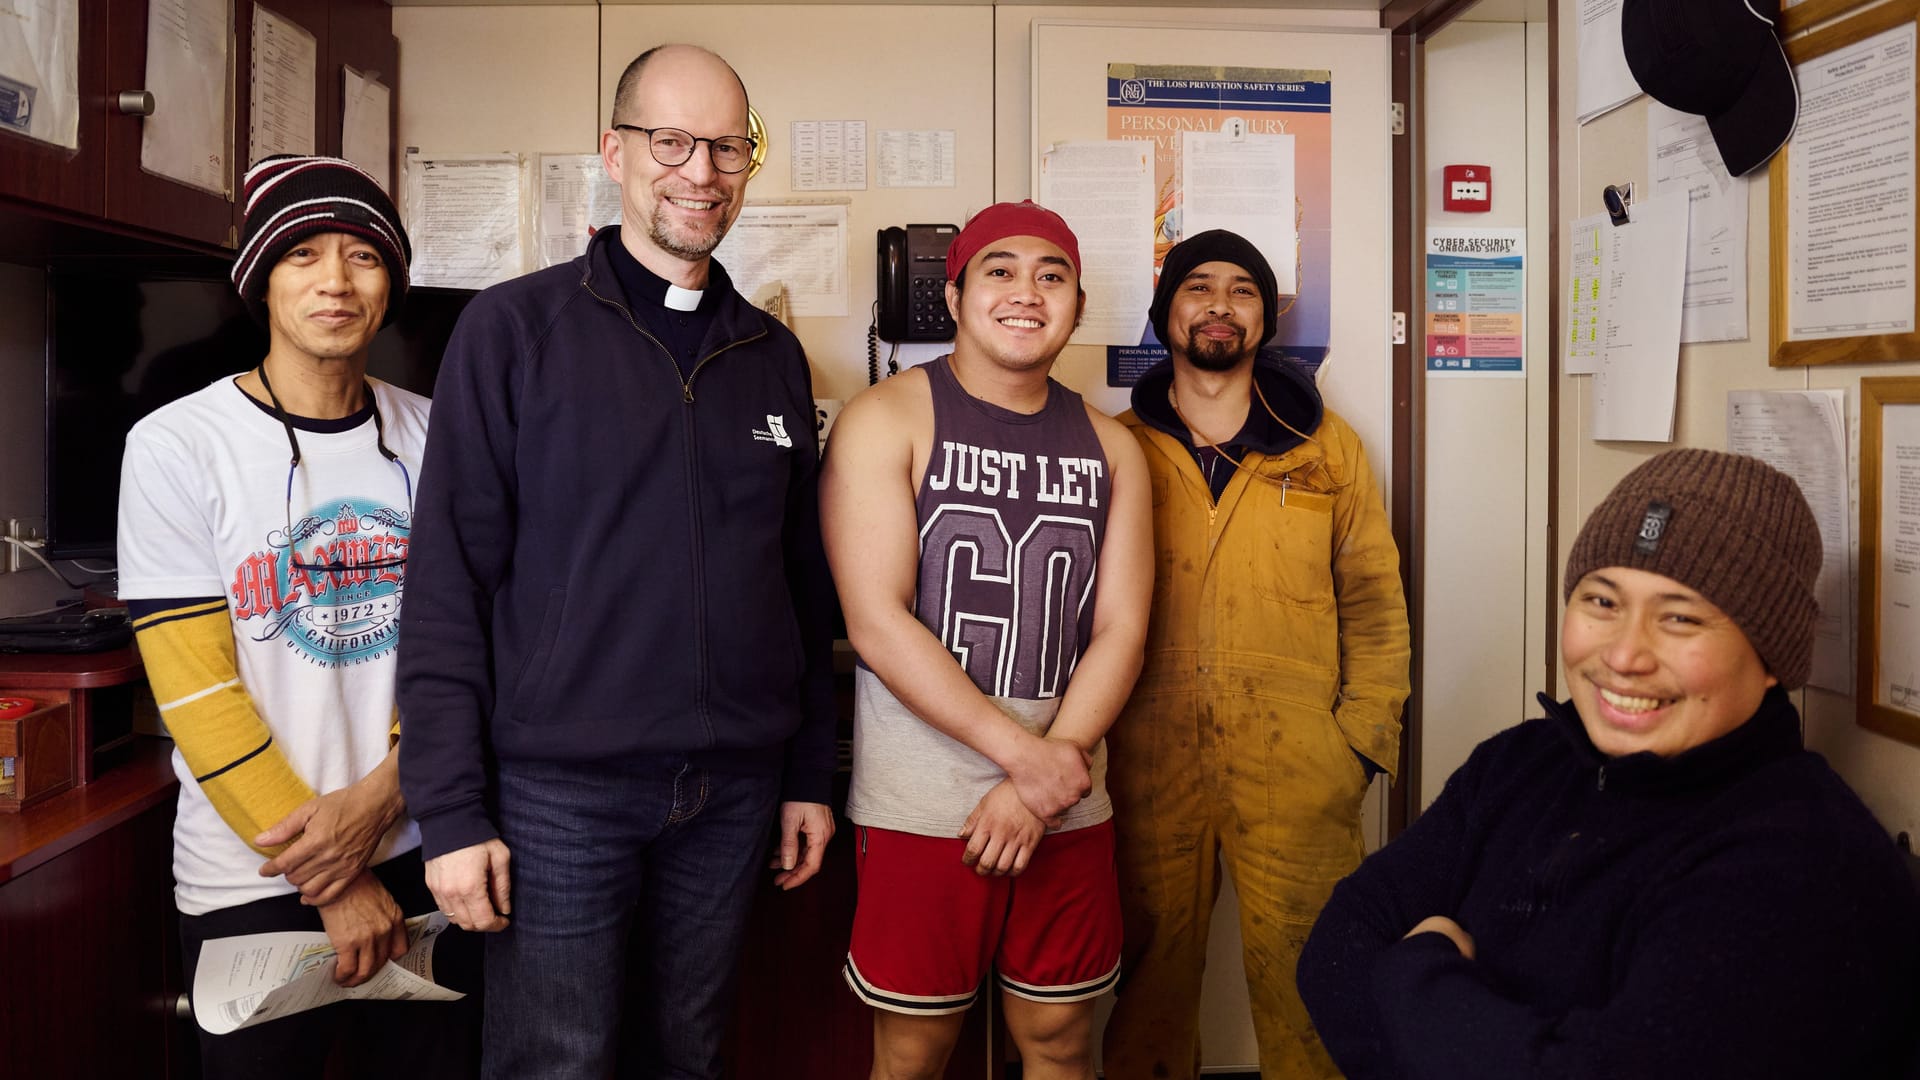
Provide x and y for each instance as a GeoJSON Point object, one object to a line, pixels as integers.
{"type": "Point", "coordinates": [1012, 512]}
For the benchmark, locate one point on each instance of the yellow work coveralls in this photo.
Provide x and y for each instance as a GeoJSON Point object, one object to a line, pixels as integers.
{"type": "Point", "coordinates": [1277, 648]}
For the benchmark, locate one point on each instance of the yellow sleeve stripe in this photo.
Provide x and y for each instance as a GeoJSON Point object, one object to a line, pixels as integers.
{"type": "Point", "coordinates": [191, 662]}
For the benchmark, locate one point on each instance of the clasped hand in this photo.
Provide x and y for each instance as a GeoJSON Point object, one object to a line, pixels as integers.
{"type": "Point", "coordinates": [330, 840]}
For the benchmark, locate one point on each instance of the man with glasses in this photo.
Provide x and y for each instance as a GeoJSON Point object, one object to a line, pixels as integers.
{"type": "Point", "coordinates": [1276, 666]}
{"type": "Point", "coordinates": [264, 526]}
{"type": "Point", "coordinates": [618, 667]}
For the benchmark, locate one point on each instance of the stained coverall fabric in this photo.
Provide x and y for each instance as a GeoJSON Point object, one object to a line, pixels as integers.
{"type": "Point", "coordinates": [1276, 659]}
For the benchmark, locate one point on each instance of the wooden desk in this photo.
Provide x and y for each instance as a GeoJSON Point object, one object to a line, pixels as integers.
{"type": "Point", "coordinates": [72, 678]}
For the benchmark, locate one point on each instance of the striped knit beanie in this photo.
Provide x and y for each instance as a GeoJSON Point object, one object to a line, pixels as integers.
{"type": "Point", "coordinates": [1729, 527]}
{"type": "Point", "coordinates": [290, 197]}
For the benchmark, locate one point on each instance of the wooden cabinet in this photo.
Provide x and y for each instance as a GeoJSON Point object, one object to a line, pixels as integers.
{"type": "Point", "coordinates": [102, 184]}
{"type": "Point", "coordinates": [53, 176]}
{"type": "Point", "coordinates": [88, 929]}
{"type": "Point", "coordinates": [134, 196]}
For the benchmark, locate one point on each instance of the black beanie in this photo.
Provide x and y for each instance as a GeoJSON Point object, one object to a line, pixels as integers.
{"type": "Point", "coordinates": [1215, 245]}
{"type": "Point", "coordinates": [290, 197]}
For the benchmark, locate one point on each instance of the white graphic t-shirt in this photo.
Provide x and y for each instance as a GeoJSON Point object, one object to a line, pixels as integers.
{"type": "Point", "coordinates": [205, 509]}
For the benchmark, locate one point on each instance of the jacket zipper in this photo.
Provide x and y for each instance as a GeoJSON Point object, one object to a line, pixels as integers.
{"type": "Point", "coordinates": [701, 673]}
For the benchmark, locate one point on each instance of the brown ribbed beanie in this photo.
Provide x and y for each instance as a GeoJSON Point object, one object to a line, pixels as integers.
{"type": "Point", "coordinates": [1732, 528]}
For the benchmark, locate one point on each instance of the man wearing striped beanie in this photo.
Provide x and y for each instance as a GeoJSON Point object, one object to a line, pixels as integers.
{"type": "Point", "coordinates": [264, 528]}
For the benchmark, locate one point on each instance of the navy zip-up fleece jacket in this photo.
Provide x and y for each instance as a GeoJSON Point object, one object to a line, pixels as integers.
{"type": "Point", "coordinates": [610, 561]}
{"type": "Point", "coordinates": [1730, 913]}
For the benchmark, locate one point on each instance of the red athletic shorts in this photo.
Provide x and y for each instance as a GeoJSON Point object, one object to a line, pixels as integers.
{"type": "Point", "coordinates": [927, 927]}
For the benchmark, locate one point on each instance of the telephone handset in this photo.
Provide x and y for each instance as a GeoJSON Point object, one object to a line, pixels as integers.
{"type": "Point", "coordinates": [912, 285]}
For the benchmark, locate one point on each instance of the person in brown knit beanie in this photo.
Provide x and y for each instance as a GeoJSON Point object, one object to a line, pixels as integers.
{"type": "Point", "coordinates": [1656, 879]}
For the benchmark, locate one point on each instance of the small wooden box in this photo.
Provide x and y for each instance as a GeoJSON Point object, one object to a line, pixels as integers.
{"type": "Point", "coordinates": [41, 746]}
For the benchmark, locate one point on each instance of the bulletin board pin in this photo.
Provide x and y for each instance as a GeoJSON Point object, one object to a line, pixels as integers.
{"type": "Point", "coordinates": [1235, 128]}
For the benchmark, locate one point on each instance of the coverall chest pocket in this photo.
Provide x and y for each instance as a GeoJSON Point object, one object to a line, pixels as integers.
{"type": "Point", "coordinates": [1292, 557]}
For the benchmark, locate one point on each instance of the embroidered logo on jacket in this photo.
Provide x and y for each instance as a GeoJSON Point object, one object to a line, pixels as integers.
{"type": "Point", "coordinates": [777, 433]}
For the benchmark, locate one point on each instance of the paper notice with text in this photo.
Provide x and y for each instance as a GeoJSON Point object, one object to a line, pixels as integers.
{"type": "Point", "coordinates": [916, 159]}
{"type": "Point", "coordinates": [1681, 156]}
{"type": "Point", "coordinates": [40, 70]}
{"type": "Point", "coordinates": [285, 56]}
{"type": "Point", "coordinates": [1803, 433]}
{"type": "Point", "coordinates": [1605, 81]}
{"type": "Point", "coordinates": [803, 245]}
{"type": "Point", "coordinates": [245, 981]}
{"type": "Point", "coordinates": [1637, 383]}
{"type": "Point", "coordinates": [464, 217]}
{"type": "Point", "coordinates": [189, 137]}
{"type": "Point", "coordinates": [1899, 614]}
{"type": "Point", "coordinates": [1244, 183]}
{"type": "Point", "coordinates": [577, 199]}
{"type": "Point", "coordinates": [366, 128]}
{"type": "Point", "coordinates": [1850, 192]}
{"type": "Point", "coordinates": [1590, 243]}
{"type": "Point", "coordinates": [1105, 192]}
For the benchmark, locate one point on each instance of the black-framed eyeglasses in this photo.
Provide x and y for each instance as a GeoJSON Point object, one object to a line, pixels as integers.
{"type": "Point", "coordinates": [671, 146]}
{"type": "Point", "coordinates": [312, 523]}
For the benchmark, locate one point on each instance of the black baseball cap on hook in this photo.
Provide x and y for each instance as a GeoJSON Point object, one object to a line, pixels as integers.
{"type": "Point", "coordinates": [1720, 59]}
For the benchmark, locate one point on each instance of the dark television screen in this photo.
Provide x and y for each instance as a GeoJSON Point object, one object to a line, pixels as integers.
{"type": "Point", "coordinates": [121, 345]}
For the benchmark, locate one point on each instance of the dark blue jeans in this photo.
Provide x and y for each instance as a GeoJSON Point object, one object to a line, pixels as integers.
{"type": "Point", "coordinates": [658, 856]}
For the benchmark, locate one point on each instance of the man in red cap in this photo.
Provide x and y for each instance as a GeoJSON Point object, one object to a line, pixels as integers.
{"type": "Point", "coordinates": [990, 536]}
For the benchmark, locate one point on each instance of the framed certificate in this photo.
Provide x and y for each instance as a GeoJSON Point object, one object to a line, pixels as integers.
{"type": "Point", "coordinates": [1843, 196]}
{"type": "Point", "coordinates": [1888, 690]}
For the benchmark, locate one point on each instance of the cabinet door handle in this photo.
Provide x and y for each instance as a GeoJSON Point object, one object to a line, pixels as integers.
{"type": "Point", "coordinates": [135, 102]}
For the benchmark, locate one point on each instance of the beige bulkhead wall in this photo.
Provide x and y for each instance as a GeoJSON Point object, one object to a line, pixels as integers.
{"type": "Point", "coordinates": [1485, 506]}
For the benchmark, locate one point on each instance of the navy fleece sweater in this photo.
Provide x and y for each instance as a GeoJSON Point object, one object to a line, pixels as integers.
{"type": "Point", "coordinates": [1734, 911]}
{"type": "Point", "coordinates": [610, 559]}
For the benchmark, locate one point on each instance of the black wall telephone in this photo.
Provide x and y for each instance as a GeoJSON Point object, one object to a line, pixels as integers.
{"type": "Point", "coordinates": [911, 289]}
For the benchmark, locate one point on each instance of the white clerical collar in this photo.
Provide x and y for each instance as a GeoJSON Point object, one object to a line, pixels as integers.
{"type": "Point", "coordinates": [679, 299]}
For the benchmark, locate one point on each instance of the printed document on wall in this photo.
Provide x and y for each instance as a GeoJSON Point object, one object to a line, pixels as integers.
{"type": "Point", "coordinates": [463, 214]}
{"type": "Point", "coordinates": [827, 155]}
{"type": "Point", "coordinates": [1232, 180]}
{"type": "Point", "coordinates": [1590, 243]}
{"type": "Point", "coordinates": [1682, 156]}
{"type": "Point", "coordinates": [284, 58]}
{"type": "Point", "coordinates": [189, 136]}
{"type": "Point", "coordinates": [1850, 192]}
{"type": "Point", "coordinates": [1105, 191]}
{"type": "Point", "coordinates": [916, 159]}
{"type": "Point", "coordinates": [40, 70]}
{"type": "Point", "coordinates": [1606, 83]}
{"type": "Point", "coordinates": [577, 199]}
{"type": "Point", "coordinates": [1899, 684]}
{"type": "Point", "coordinates": [1635, 386]}
{"type": "Point", "coordinates": [1803, 433]}
{"type": "Point", "coordinates": [1476, 303]}
{"type": "Point", "coordinates": [801, 244]}
{"type": "Point", "coordinates": [366, 125]}
{"type": "Point", "coordinates": [247, 980]}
